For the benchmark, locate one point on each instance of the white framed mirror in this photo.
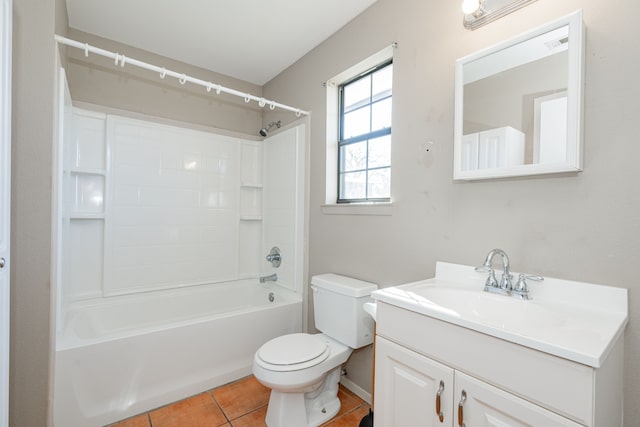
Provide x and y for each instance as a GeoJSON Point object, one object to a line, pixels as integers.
{"type": "Point", "coordinates": [518, 105]}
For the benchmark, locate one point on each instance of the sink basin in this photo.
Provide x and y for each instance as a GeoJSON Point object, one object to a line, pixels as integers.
{"type": "Point", "coordinates": [495, 310]}
{"type": "Point", "coordinates": [574, 320]}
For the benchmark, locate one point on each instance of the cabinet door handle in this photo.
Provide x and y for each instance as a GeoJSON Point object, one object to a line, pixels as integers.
{"type": "Point", "coordinates": [463, 399]}
{"type": "Point", "coordinates": [439, 402]}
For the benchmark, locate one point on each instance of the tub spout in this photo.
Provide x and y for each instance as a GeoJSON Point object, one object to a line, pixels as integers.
{"type": "Point", "coordinates": [272, 278]}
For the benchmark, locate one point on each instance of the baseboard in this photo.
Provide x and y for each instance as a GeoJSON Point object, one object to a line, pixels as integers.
{"type": "Point", "coordinates": [356, 389]}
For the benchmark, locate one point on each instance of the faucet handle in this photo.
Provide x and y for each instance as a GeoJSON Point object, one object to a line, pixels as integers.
{"type": "Point", "coordinates": [491, 282]}
{"type": "Point", "coordinates": [521, 285]}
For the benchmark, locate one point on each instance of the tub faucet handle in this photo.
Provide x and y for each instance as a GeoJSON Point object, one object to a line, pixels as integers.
{"type": "Point", "coordinates": [274, 257]}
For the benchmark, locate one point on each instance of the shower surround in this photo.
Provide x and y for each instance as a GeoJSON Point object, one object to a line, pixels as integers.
{"type": "Point", "coordinates": [164, 231]}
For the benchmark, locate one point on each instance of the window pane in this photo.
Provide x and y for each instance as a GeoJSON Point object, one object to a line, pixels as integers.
{"type": "Point", "coordinates": [357, 122]}
{"type": "Point", "coordinates": [380, 183]}
{"type": "Point", "coordinates": [381, 115]}
{"type": "Point", "coordinates": [382, 82]}
{"type": "Point", "coordinates": [353, 157]}
{"type": "Point", "coordinates": [365, 166]}
{"type": "Point", "coordinates": [357, 93]}
{"type": "Point", "coordinates": [380, 152]}
{"type": "Point", "coordinates": [353, 185]}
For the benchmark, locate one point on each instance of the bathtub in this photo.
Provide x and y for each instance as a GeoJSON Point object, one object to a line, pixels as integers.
{"type": "Point", "coordinates": [129, 354]}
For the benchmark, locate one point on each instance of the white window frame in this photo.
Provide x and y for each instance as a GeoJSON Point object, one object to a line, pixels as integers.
{"type": "Point", "coordinates": [331, 166]}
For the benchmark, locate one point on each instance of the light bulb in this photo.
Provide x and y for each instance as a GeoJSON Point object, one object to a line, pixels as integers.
{"type": "Point", "coordinates": [470, 6]}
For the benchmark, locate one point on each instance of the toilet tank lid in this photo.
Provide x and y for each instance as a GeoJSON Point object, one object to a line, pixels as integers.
{"type": "Point", "coordinates": [343, 285]}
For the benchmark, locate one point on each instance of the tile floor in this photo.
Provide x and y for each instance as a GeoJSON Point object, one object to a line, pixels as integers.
{"type": "Point", "coordinates": [242, 403]}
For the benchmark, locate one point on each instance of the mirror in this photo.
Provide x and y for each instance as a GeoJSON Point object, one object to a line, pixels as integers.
{"type": "Point", "coordinates": [518, 105]}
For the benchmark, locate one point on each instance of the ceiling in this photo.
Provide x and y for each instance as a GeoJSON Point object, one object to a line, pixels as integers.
{"type": "Point", "coordinates": [252, 40]}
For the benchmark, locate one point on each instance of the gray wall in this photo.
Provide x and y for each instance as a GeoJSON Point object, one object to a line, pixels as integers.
{"type": "Point", "coordinates": [579, 226]}
{"type": "Point", "coordinates": [95, 80]}
{"type": "Point", "coordinates": [34, 24]}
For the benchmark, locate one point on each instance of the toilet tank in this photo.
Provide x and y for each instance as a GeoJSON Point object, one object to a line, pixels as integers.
{"type": "Point", "coordinates": [338, 304]}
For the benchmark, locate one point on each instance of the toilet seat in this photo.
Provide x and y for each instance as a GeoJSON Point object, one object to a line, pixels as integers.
{"type": "Point", "coordinates": [293, 352]}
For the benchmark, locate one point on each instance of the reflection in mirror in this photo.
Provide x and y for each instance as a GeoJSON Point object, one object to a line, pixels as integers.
{"type": "Point", "coordinates": [518, 105]}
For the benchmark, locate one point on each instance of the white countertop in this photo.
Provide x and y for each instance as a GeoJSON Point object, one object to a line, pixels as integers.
{"type": "Point", "coordinates": [573, 320]}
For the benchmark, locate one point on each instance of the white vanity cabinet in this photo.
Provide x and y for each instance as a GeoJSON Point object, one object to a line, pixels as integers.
{"type": "Point", "coordinates": [481, 404]}
{"type": "Point", "coordinates": [504, 384]}
{"type": "Point", "coordinates": [414, 390]}
{"type": "Point", "coordinates": [411, 388]}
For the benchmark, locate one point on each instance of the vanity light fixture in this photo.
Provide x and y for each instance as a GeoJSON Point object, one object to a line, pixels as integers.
{"type": "Point", "coordinates": [472, 7]}
{"type": "Point", "coordinates": [480, 12]}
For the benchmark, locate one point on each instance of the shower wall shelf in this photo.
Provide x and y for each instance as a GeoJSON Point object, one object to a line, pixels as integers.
{"type": "Point", "coordinates": [251, 227]}
{"type": "Point", "coordinates": [97, 212]}
{"type": "Point", "coordinates": [85, 190]}
{"type": "Point", "coordinates": [84, 183]}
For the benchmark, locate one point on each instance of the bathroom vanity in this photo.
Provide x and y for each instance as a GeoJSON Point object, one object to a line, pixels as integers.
{"type": "Point", "coordinates": [450, 354]}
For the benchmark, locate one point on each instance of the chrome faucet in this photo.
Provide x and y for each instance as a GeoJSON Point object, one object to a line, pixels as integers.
{"type": "Point", "coordinates": [505, 287]}
{"type": "Point", "coordinates": [272, 278]}
{"type": "Point", "coordinates": [505, 283]}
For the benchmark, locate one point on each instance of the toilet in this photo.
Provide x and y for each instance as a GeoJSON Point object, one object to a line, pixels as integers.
{"type": "Point", "coordinates": [303, 370]}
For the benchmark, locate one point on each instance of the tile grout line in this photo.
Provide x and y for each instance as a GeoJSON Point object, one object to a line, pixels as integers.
{"type": "Point", "coordinates": [224, 414]}
{"type": "Point", "coordinates": [247, 413]}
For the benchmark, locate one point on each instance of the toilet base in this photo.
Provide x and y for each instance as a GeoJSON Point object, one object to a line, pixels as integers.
{"type": "Point", "coordinates": [305, 409]}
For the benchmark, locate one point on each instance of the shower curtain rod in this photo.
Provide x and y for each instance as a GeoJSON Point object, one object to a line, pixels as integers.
{"type": "Point", "coordinates": [182, 78]}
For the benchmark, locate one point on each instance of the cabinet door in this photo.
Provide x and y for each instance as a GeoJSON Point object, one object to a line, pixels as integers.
{"type": "Point", "coordinates": [408, 388]}
{"type": "Point", "coordinates": [480, 404]}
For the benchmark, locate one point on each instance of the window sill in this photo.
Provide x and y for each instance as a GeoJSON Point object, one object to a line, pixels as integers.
{"type": "Point", "coordinates": [376, 209]}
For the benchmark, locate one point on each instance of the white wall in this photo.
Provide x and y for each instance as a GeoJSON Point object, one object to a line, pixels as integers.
{"type": "Point", "coordinates": [172, 207]}
{"type": "Point", "coordinates": [284, 205]}
{"type": "Point", "coordinates": [148, 206]}
{"type": "Point", "coordinates": [577, 226]}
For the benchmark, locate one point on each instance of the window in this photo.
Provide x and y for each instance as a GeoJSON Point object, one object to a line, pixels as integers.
{"type": "Point", "coordinates": [364, 143]}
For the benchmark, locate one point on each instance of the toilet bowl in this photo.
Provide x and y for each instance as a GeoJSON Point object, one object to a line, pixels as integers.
{"type": "Point", "coordinates": [303, 370]}
{"type": "Point", "coordinates": [298, 362]}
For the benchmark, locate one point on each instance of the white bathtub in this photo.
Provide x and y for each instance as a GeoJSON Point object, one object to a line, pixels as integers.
{"type": "Point", "coordinates": [130, 354]}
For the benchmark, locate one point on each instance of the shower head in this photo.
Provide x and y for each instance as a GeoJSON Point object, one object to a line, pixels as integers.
{"type": "Point", "coordinates": [265, 130]}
